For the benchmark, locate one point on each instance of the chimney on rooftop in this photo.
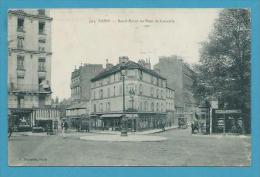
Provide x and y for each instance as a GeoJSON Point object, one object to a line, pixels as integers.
{"type": "Point", "coordinates": [123, 59]}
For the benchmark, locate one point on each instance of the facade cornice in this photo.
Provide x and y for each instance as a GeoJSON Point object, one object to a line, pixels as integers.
{"type": "Point", "coordinates": [15, 50]}
{"type": "Point", "coordinates": [23, 13]}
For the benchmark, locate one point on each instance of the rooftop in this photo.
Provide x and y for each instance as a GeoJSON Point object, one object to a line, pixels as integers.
{"type": "Point", "coordinates": [129, 65]}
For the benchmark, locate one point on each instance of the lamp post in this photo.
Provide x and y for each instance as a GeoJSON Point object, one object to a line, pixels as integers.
{"type": "Point", "coordinates": [124, 118]}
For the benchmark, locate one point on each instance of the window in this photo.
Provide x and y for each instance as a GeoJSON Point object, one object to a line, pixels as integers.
{"type": "Point", "coordinates": [41, 64]}
{"type": "Point", "coordinates": [42, 44]}
{"type": "Point", "coordinates": [152, 90]}
{"type": "Point", "coordinates": [114, 90]}
{"type": "Point", "coordinates": [157, 81]}
{"type": "Point", "coordinates": [41, 27]}
{"type": "Point", "coordinates": [94, 95]}
{"type": "Point", "coordinates": [108, 92]}
{"type": "Point", "coordinates": [152, 106]}
{"type": "Point", "coordinates": [108, 106]}
{"type": "Point", "coordinates": [101, 107]}
{"type": "Point", "coordinates": [140, 89]}
{"type": "Point", "coordinates": [161, 93]}
{"type": "Point", "coordinates": [157, 93]}
{"type": "Point", "coordinates": [95, 108]}
{"type": "Point", "coordinates": [41, 48]}
{"type": "Point", "coordinates": [140, 105]}
{"type": "Point", "coordinates": [145, 106]}
{"type": "Point", "coordinates": [20, 41]}
{"type": "Point", "coordinates": [140, 74]}
{"type": "Point", "coordinates": [20, 62]}
{"type": "Point", "coordinates": [41, 12]}
{"type": "Point", "coordinates": [101, 93]}
{"type": "Point", "coordinates": [20, 24]}
{"type": "Point", "coordinates": [131, 73]}
{"type": "Point", "coordinates": [20, 101]}
{"type": "Point", "coordinates": [42, 41]}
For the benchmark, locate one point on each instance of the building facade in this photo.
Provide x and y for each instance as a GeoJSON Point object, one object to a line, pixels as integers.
{"type": "Point", "coordinates": [77, 114]}
{"type": "Point", "coordinates": [29, 62]}
{"type": "Point", "coordinates": [80, 81]}
{"type": "Point", "coordinates": [180, 77]}
{"type": "Point", "coordinates": [145, 97]}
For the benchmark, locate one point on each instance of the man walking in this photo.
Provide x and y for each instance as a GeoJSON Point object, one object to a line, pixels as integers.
{"type": "Point", "coordinates": [64, 126]}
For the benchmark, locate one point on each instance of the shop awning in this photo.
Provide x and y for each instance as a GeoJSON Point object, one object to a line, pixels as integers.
{"type": "Point", "coordinates": [111, 116]}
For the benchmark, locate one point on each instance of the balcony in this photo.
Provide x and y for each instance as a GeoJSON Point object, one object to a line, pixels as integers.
{"type": "Point", "coordinates": [20, 72]}
{"type": "Point", "coordinates": [29, 88]}
{"type": "Point", "coordinates": [42, 73]}
{"type": "Point", "coordinates": [20, 29]}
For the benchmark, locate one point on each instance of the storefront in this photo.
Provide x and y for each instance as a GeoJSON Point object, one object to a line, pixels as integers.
{"type": "Point", "coordinates": [227, 121]}
{"type": "Point", "coordinates": [135, 121]}
{"type": "Point", "coordinates": [21, 119]}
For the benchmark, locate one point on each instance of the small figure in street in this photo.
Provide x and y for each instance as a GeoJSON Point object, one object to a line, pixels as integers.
{"type": "Point", "coordinates": [64, 126]}
{"type": "Point", "coordinates": [194, 125]}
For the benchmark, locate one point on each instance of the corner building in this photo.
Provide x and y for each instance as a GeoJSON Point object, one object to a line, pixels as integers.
{"type": "Point", "coordinates": [29, 66]}
{"type": "Point", "coordinates": [145, 98]}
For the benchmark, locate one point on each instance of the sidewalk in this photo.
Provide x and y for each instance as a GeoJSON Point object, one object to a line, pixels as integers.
{"type": "Point", "coordinates": [221, 135]}
{"type": "Point", "coordinates": [92, 132]}
{"type": "Point", "coordinates": [118, 138]}
{"type": "Point", "coordinates": [146, 132]}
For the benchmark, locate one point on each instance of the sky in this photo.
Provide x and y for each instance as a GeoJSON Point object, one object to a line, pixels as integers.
{"type": "Point", "coordinates": [95, 35]}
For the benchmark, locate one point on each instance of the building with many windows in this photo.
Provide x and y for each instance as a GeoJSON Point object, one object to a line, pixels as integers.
{"type": "Point", "coordinates": [145, 97]}
{"type": "Point", "coordinates": [80, 81]}
{"type": "Point", "coordinates": [180, 77]}
{"type": "Point", "coordinates": [29, 64]}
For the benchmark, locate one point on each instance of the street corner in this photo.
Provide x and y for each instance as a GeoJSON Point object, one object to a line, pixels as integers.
{"type": "Point", "coordinates": [129, 138]}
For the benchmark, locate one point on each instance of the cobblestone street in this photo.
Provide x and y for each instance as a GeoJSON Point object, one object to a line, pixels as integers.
{"type": "Point", "coordinates": [180, 149]}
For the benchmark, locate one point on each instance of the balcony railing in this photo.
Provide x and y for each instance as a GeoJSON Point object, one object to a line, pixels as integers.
{"type": "Point", "coordinates": [28, 88]}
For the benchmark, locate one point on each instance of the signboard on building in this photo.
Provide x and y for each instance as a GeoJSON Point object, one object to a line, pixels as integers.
{"type": "Point", "coordinates": [235, 111]}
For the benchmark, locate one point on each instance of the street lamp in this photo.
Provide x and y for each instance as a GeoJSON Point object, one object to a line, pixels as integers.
{"type": "Point", "coordinates": [124, 118]}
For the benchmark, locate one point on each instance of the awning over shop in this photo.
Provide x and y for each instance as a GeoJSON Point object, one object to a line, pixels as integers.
{"type": "Point", "coordinates": [111, 116]}
{"type": "Point", "coordinates": [129, 116]}
{"type": "Point", "coordinates": [47, 118]}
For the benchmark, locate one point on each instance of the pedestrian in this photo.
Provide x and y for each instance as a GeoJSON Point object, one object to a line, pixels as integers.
{"type": "Point", "coordinates": [64, 126]}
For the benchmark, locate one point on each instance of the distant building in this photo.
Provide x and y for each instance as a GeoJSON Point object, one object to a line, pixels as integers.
{"type": "Point", "coordinates": [180, 77]}
{"type": "Point", "coordinates": [76, 113]}
{"type": "Point", "coordinates": [29, 66]}
{"type": "Point", "coordinates": [145, 97]}
{"type": "Point", "coordinates": [80, 81]}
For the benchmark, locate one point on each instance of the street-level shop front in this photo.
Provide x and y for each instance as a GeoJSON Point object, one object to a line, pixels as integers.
{"type": "Point", "coordinates": [134, 122]}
